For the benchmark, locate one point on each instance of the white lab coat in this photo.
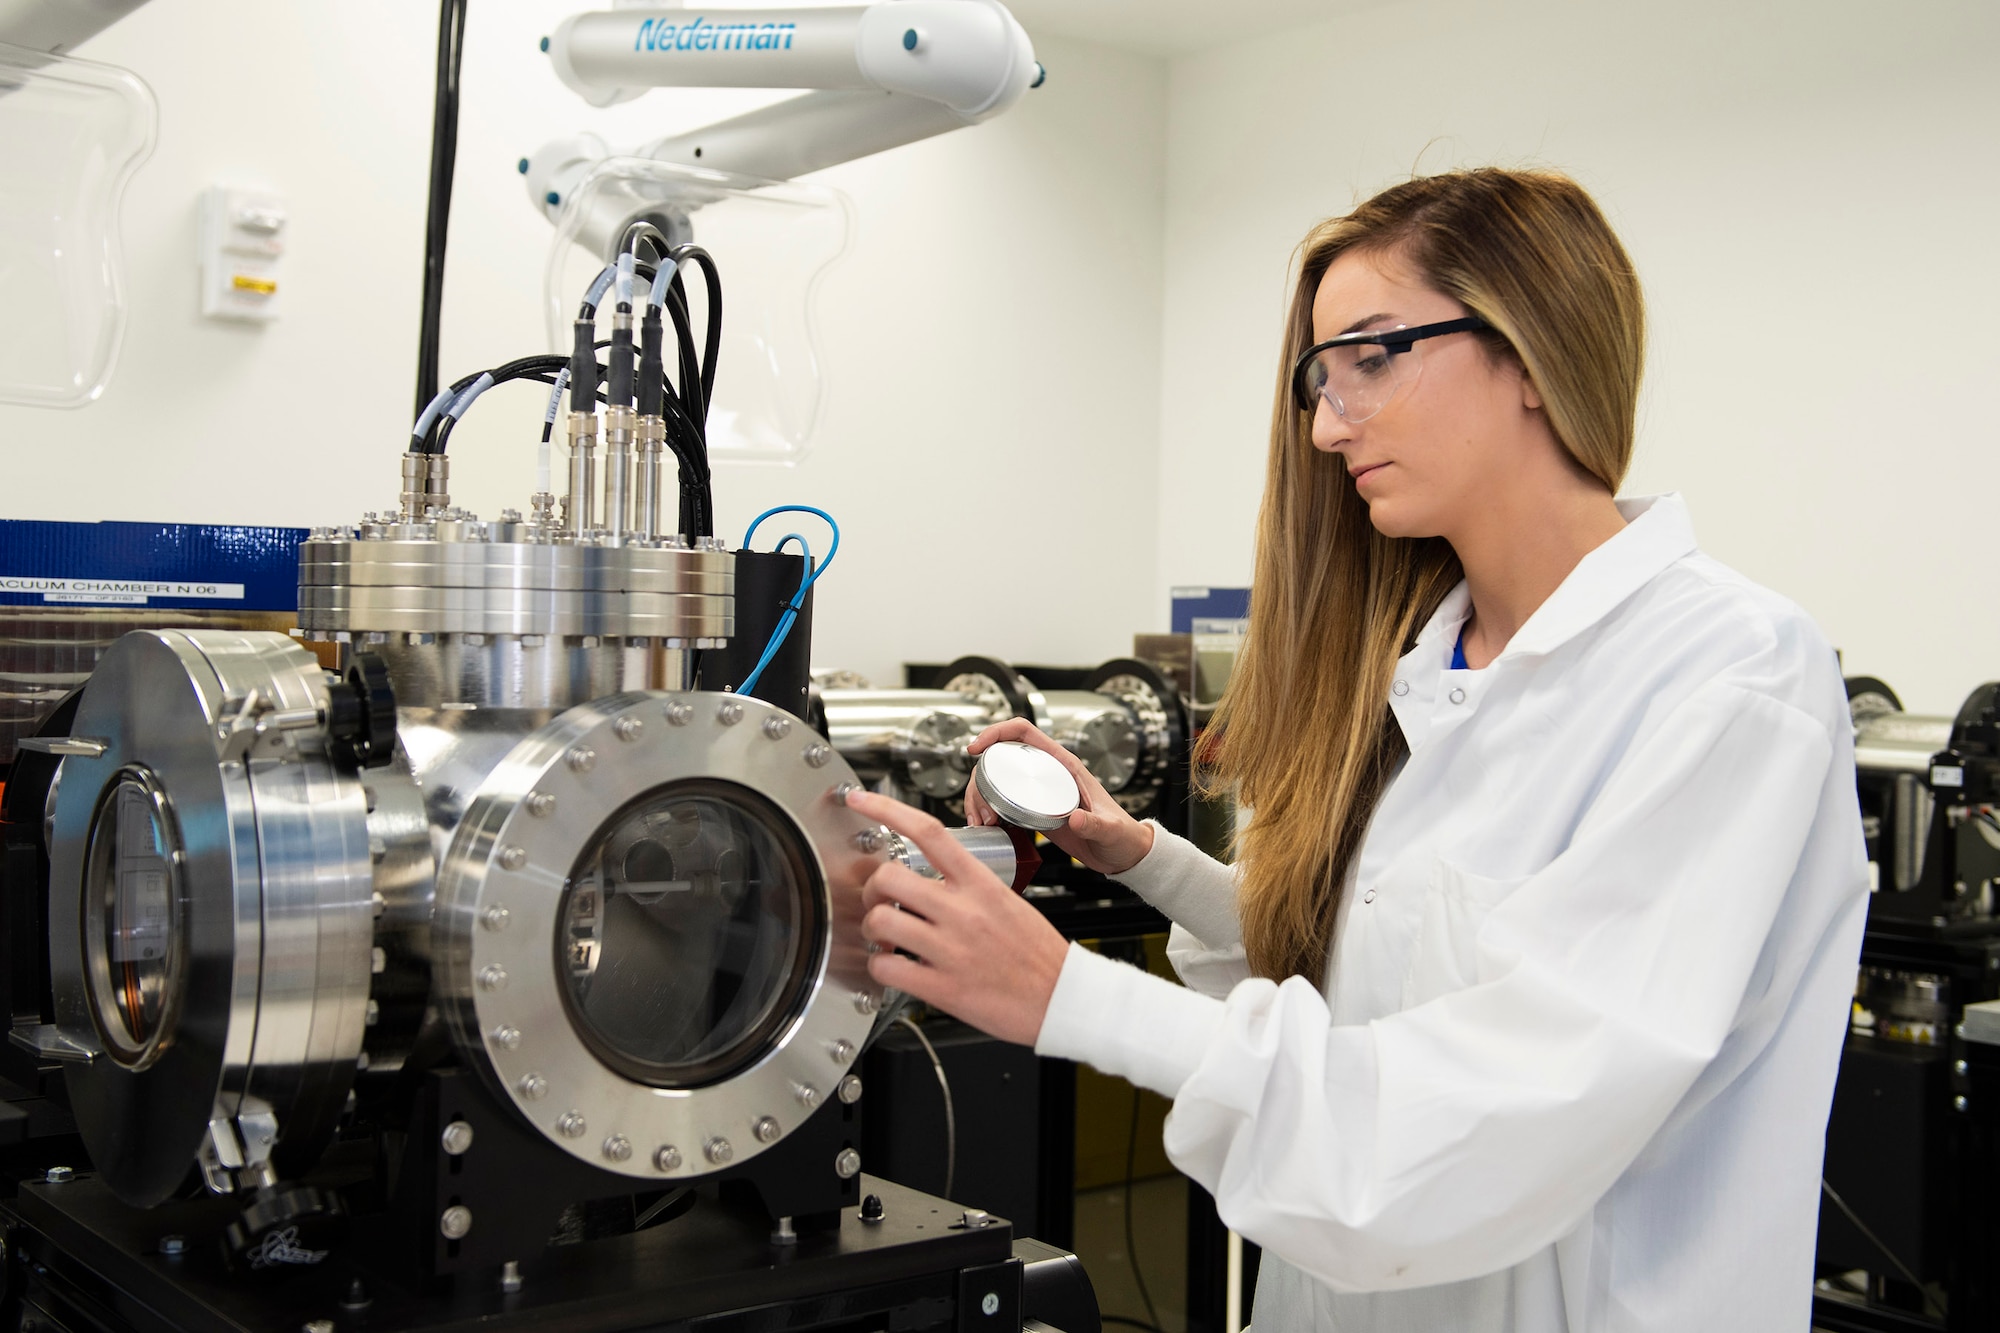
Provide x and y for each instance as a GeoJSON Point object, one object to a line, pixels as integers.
{"type": "Point", "coordinates": [1571, 1064]}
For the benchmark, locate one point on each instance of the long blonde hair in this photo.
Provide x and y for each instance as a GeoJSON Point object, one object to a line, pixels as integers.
{"type": "Point", "coordinates": [1306, 740]}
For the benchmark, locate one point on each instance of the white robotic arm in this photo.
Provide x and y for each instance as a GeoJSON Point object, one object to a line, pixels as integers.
{"type": "Point", "coordinates": [886, 74]}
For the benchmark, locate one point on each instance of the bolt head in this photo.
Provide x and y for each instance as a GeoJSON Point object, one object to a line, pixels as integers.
{"type": "Point", "coordinates": [572, 1124]}
{"type": "Point", "coordinates": [808, 1097]}
{"type": "Point", "coordinates": [767, 1130]}
{"type": "Point", "coordinates": [58, 1175]}
{"type": "Point", "coordinates": [540, 804]}
{"type": "Point", "coordinates": [1958, 1103]}
{"type": "Point", "coordinates": [513, 858]}
{"type": "Point", "coordinates": [456, 1222]}
{"type": "Point", "coordinates": [668, 1158]}
{"type": "Point", "coordinates": [777, 728]}
{"type": "Point", "coordinates": [532, 1087]}
{"type": "Point", "coordinates": [628, 728]}
{"type": "Point", "coordinates": [618, 1148]}
{"type": "Point", "coordinates": [457, 1137]}
{"type": "Point", "coordinates": [730, 713]}
{"type": "Point", "coordinates": [817, 754]}
{"type": "Point", "coordinates": [678, 713]}
{"type": "Point", "coordinates": [718, 1151]}
{"type": "Point", "coordinates": [581, 759]}
{"type": "Point", "coordinates": [507, 1038]}
{"type": "Point", "coordinates": [494, 918]}
{"type": "Point", "coordinates": [847, 1165]}
{"type": "Point", "coordinates": [864, 1002]}
{"type": "Point", "coordinates": [173, 1245]}
{"type": "Point", "coordinates": [850, 1089]}
{"type": "Point", "coordinates": [841, 1051]}
{"type": "Point", "coordinates": [989, 1304]}
{"type": "Point", "coordinates": [869, 840]}
{"type": "Point", "coordinates": [493, 977]}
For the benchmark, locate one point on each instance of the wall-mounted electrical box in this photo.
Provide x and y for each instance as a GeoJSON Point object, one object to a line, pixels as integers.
{"type": "Point", "coordinates": [242, 238]}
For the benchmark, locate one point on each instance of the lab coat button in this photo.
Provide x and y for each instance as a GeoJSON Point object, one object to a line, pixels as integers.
{"type": "Point", "coordinates": [1368, 897]}
{"type": "Point", "coordinates": [1458, 696]}
{"type": "Point", "coordinates": [1400, 688]}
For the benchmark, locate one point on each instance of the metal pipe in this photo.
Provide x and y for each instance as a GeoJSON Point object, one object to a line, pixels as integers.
{"type": "Point", "coordinates": [618, 430]}
{"type": "Point", "coordinates": [582, 472]}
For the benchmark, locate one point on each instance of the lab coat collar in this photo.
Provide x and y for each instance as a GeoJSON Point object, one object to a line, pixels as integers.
{"type": "Point", "coordinates": [1657, 532]}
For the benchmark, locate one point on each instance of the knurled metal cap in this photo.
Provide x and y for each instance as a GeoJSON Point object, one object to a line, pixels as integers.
{"type": "Point", "coordinates": [1026, 786]}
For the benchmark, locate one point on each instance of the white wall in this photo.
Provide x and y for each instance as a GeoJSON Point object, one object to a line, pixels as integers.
{"type": "Point", "coordinates": [991, 339]}
{"type": "Point", "coordinates": [1809, 192]}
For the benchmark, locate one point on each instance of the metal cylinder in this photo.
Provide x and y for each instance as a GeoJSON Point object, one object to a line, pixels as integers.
{"type": "Point", "coordinates": [648, 521]}
{"type": "Point", "coordinates": [995, 848]}
{"type": "Point", "coordinates": [1100, 730]}
{"type": "Point", "coordinates": [582, 473]}
{"type": "Point", "coordinates": [618, 431]}
{"type": "Point", "coordinates": [917, 737]}
{"type": "Point", "coordinates": [415, 470]}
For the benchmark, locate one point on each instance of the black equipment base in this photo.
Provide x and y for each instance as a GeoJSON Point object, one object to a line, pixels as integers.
{"type": "Point", "coordinates": [77, 1258]}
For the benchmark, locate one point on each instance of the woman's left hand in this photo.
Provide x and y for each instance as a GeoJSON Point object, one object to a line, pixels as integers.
{"type": "Point", "coordinates": [982, 954]}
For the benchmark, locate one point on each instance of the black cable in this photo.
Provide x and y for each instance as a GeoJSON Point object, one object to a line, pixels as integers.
{"type": "Point", "coordinates": [444, 157]}
{"type": "Point", "coordinates": [1877, 1242]}
{"type": "Point", "coordinates": [1131, 1242]}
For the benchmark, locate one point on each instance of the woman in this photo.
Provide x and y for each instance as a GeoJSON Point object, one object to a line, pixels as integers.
{"type": "Point", "coordinates": [1522, 1005]}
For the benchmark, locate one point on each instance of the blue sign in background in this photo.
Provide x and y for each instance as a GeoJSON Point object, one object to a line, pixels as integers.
{"type": "Point", "coordinates": [182, 566]}
{"type": "Point", "coordinates": [1192, 604]}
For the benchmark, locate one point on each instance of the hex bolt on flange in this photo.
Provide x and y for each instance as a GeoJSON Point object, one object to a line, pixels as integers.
{"type": "Point", "coordinates": [455, 1222]}
{"type": "Point", "coordinates": [456, 1138]}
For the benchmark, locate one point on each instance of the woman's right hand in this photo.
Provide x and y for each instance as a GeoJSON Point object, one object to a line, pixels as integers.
{"type": "Point", "coordinates": [1100, 833]}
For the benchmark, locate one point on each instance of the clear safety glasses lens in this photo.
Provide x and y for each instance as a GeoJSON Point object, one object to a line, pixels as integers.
{"type": "Point", "coordinates": [1358, 379]}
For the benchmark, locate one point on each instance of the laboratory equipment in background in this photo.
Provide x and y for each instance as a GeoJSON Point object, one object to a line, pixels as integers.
{"type": "Point", "coordinates": [508, 969]}
{"type": "Point", "coordinates": [1908, 1214]}
{"type": "Point", "coordinates": [880, 76]}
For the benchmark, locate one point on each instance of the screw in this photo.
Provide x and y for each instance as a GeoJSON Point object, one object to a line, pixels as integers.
{"type": "Point", "coordinates": [457, 1220]}
{"type": "Point", "coordinates": [847, 1164]}
{"type": "Point", "coordinates": [627, 728]}
{"type": "Point", "coordinates": [718, 1151]}
{"type": "Point", "coordinates": [989, 1304]}
{"type": "Point", "coordinates": [844, 790]}
{"type": "Point", "coordinates": [678, 713]}
{"type": "Point", "coordinates": [173, 1246]}
{"type": "Point", "coordinates": [730, 713]}
{"type": "Point", "coordinates": [784, 1233]}
{"type": "Point", "coordinates": [540, 804]}
{"type": "Point", "coordinates": [513, 858]}
{"type": "Point", "coordinates": [869, 840]}
{"type": "Point", "coordinates": [850, 1089]}
{"type": "Point", "coordinates": [618, 1147]}
{"type": "Point", "coordinates": [668, 1158]}
{"type": "Point", "coordinates": [808, 1097]}
{"type": "Point", "coordinates": [533, 1087]}
{"type": "Point", "coordinates": [58, 1175]}
{"type": "Point", "coordinates": [1958, 1067]}
{"type": "Point", "coordinates": [507, 1038]}
{"type": "Point", "coordinates": [510, 1277]}
{"type": "Point", "coordinates": [572, 1124]}
{"type": "Point", "coordinates": [1958, 1103]}
{"type": "Point", "coordinates": [581, 759]}
{"type": "Point", "coordinates": [457, 1137]}
{"type": "Point", "coordinates": [871, 1208]}
{"type": "Point", "coordinates": [864, 1002]}
{"type": "Point", "coordinates": [975, 1219]}
{"type": "Point", "coordinates": [372, 1014]}
{"type": "Point", "coordinates": [493, 977]}
{"type": "Point", "coordinates": [816, 754]}
{"type": "Point", "coordinates": [494, 918]}
{"type": "Point", "coordinates": [378, 960]}
{"type": "Point", "coordinates": [767, 1130]}
{"type": "Point", "coordinates": [777, 728]}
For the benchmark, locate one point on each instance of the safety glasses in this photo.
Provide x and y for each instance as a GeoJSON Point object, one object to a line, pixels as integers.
{"type": "Point", "coordinates": [1358, 373]}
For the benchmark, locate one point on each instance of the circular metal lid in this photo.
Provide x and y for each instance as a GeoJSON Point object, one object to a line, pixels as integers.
{"type": "Point", "coordinates": [1026, 786]}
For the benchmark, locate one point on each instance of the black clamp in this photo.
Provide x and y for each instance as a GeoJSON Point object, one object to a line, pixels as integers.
{"type": "Point", "coordinates": [361, 714]}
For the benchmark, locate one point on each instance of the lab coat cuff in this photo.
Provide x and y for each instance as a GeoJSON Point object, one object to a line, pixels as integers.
{"type": "Point", "coordinates": [1127, 1023]}
{"type": "Point", "coordinates": [1190, 886]}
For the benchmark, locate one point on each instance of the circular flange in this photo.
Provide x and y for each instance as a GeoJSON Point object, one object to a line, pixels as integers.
{"type": "Point", "coordinates": [263, 904]}
{"type": "Point", "coordinates": [1156, 703]}
{"type": "Point", "coordinates": [989, 677]}
{"type": "Point", "coordinates": [502, 889]}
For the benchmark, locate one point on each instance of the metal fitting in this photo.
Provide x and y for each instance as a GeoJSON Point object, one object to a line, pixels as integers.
{"type": "Point", "coordinates": [847, 1164]}
{"type": "Point", "coordinates": [850, 1089]}
{"type": "Point", "coordinates": [456, 1222]}
{"type": "Point", "coordinates": [457, 1137]}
